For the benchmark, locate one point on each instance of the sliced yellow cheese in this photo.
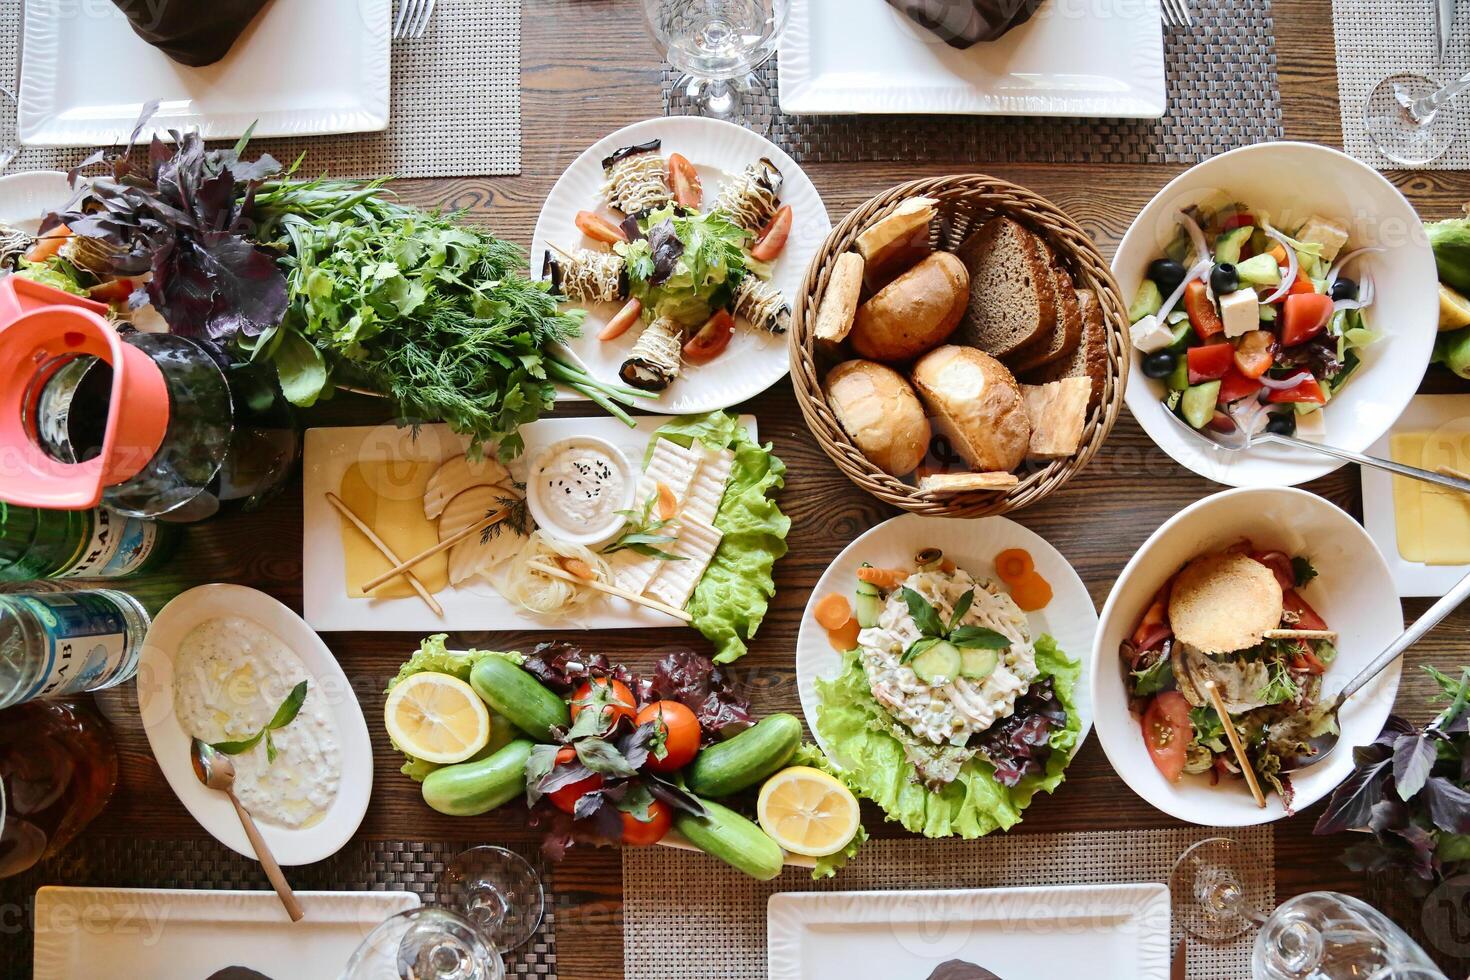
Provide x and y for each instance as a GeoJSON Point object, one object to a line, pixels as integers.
{"type": "Point", "coordinates": [389, 498]}
{"type": "Point", "coordinates": [1432, 523]}
{"type": "Point", "coordinates": [1408, 514]}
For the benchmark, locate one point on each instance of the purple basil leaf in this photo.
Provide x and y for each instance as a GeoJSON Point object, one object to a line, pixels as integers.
{"type": "Point", "coordinates": [632, 228]}
{"type": "Point", "coordinates": [635, 800]}
{"type": "Point", "coordinates": [1413, 757]}
{"type": "Point", "coordinates": [539, 766]}
{"type": "Point", "coordinates": [667, 250]}
{"type": "Point", "coordinates": [1449, 805]}
{"type": "Point", "coordinates": [1020, 744]}
{"type": "Point", "coordinates": [1351, 805]}
{"type": "Point", "coordinates": [635, 745]}
{"type": "Point", "coordinates": [563, 667]}
{"type": "Point", "coordinates": [559, 830]}
{"type": "Point", "coordinates": [606, 822]}
{"type": "Point", "coordinates": [588, 804]}
{"type": "Point", "coordinates": [601, 757]}
{"type": "Point", "coordinates": [674, 796]}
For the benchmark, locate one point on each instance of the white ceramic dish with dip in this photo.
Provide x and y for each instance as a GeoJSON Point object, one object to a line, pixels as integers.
{"type": "Point", "coordinates": [330, 711]}
{"type": "Point", "coordinates": [576, 487]}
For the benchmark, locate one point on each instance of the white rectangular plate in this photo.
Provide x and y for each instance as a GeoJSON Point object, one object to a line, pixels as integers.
{"type": "Point", "coordinates": [1425, 413]}
{"type": "Point", "coordinates": [302, 67]}
{"type": "Point", "coordinates": [1071, 59]}
{"type": "Point", "coordinates": [179, 934]}
{"type": "Point", "coordinates": [475, 605]}
{"type": "Point", "coordinates": [1102, 932]}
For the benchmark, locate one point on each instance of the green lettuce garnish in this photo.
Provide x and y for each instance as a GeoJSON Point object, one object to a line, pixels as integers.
{"type": "Point", "coordinates": [55, 272]}
{"type": "Point", "coordinates": [703, 276]}
{"type": "Point", "coordinates": [433, 657]}
{"type": "Point", "coordinates": [731, 599]}
{"type": "Point", "coordinates": [858, 731]}
{"type": "Point", "coordinates": [826, 867]}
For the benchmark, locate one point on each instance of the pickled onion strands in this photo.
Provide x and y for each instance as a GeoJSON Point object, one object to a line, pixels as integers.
{"type": "Point", "coordinates": [1293, 264]}
{"type": "Point", "coordinates": [544, 594]}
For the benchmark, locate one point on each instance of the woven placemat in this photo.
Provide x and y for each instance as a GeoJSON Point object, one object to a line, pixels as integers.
{"type": "Point", "coordinates": [721, 913]}
{"type": "Point", "coordinates": [1378, 38]}
{"type": "Point", "coordinates": [360, 866]}
{"type": "Point", "coordinates": [1222, 90]}
{"type": "Point", "coordinates": [455, 104]}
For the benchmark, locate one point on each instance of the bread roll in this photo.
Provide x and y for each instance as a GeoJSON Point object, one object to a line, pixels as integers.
{"type": "Point", "coordinates": [840, 302]}
{"type": "Point", "coordinates": [880, 412]}
{"type": "Point", "coordinates": [976, 402]}
{"type": "Point", "coordinates": [915, 313]}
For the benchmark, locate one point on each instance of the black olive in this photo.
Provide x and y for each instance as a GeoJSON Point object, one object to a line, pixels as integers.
{"type": "Point", "coordinates": [1282, 423]}
{"type": "Point", "coordinates": [1345, 288]}
{"type": "Point", "coordinates": [1160, 364]}
{"type": "Point", "coordinates": [1224, 279]}
{"type": "Point", "coordinates": [1166, 274]}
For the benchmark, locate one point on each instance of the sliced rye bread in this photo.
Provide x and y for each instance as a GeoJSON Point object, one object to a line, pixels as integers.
{"type": "Point", "coordinates": [1011, 289]}
{"type": "Point", "coordinates": [1067, 333]}
{"type": "Point", "coordinates": [1090, 358]}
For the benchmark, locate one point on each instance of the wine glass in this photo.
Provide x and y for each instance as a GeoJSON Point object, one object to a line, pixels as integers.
{"type": "Point", "coordinates": [426, 943]}
{"type": "Point", "coordinates": [1411, 119]}
{"type": "Point", "coordinates": [1218, 889]}
{"type": "Point", "coordinates": [1330, 936]}
{"type": "Point", "coordinates": [717, 45]}
{"type": "Point", "coordinates": [498, 891]}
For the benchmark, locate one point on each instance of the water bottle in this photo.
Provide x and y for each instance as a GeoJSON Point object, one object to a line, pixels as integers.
{"type": "Point", "coordinates": [60, 644]}
{"type": "Point", "coordinates": [97, 543]}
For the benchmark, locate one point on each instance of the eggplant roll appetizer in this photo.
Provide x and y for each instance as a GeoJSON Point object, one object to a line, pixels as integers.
{"type": "Point", "coordinates": [752, 198]}
{"type": "Point", "coordinates": [761, 304]}
{"type": "Point", "coordinates": [635, 179]}
{"type": "Point", "coordinates": [655, 360]}
{"type": "Point", "coordinates": [587, 276]}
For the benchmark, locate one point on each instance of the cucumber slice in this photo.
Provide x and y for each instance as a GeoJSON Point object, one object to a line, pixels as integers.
{"type": "Point", "coordinates": [1148, 301]}
{"type": "Point", "coordinates": [1198, 403]}
{"type": "Point", "coordinates": [1178, 380]}
{"type": "Point", "coordinates": [1259, 270]}
{"type": "Point", "coordinates": [978, 664]}
{"type": "Point", "coordinates": [939, 664]}
{"type": "Point", "coordinates": [1182, 332]}
{"type": "Point", "coordinates": [1229, 245]}
{"type": "Point", "coordinates": [868, 605]}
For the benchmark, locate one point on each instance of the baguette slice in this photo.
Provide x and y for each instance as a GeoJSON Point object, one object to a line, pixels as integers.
{"type": "Point", "coordinates": [896, 243]}
{"type": "Point", "coordinates": [840, 302]}
{"type": "Point", "coordinates": [967, 482]}
{"type": "Point", "coordinates": [1058, 414]}
{"type": "Point", "coordinates": [1089, 360]}
{"type": "Point", "coordinates": [1012, 300]}
{"type": "Point", "coordinates": [1067, 334]}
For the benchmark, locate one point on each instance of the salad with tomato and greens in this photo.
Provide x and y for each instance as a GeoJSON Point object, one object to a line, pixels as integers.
{"type": "Point", "coordinates": [1236, 618]}
{"type": "Point", "coordinates": [1251, 328]}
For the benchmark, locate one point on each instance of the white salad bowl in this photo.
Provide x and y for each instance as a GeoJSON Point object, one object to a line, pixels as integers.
{"type": "Point", "coordinates": [1292, 182]}
{"type": "Point", "coordinates": [1353, 592]}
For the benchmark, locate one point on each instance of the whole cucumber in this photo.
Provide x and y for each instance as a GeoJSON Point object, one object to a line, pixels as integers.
{"type": "Point", "coordinates": [733, 839]}
{"type": "Point", "coordinates": [748, 758]}
{"type": "Point", "coordinates": [517, 695]}
{"type": "Point", "coordinates": [471, 788]}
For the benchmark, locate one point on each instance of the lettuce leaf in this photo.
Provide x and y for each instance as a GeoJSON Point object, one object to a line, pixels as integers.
{"type": "Point", "coordinates": [731, 599]}
{"type": "Point", "coordinates": [810, 755]}
{"type": "Point", "coordinates": [975, 804]}
{"type": "Point", "coordinates": [433, 656]}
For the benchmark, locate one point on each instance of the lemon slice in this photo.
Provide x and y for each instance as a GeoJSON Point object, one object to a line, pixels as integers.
{"type": "Point", "coordinates": [807, 811]}
{"type": "Point", "coordinates": [437, 717]}
{"type": "Point", "coordinates": [1454, 309]}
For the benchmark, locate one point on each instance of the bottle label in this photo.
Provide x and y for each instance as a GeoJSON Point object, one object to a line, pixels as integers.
{"type": "Point", "coordinates": [118, 546]}
{"type": "Point", "coordinates": [85, 646]}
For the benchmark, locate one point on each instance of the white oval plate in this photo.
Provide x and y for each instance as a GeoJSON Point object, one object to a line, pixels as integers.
{"type": "Point", "coordinates": [1353, 591]}
{"type": "Point", "coordinates": [26, 197]}
{"type": "Point", "coordinates": [973, 544]}
{"type": "Point", "coordinates": [1299, 180]}
{"type": "Point", "coordinates": [170, 743]}
{"type": "Point", "coordinates": [755, 359]}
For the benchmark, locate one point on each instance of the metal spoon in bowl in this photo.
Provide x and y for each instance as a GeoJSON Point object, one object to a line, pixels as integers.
{"type": "Point", "coordinates": [216, 771]}
{"type": "Point", "coordinates": [1322, 745]}
{"type": "Point", "coordinates": [1237, 440]}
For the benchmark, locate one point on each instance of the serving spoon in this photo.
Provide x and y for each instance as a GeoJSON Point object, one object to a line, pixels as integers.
{"type": "Point", "coordinates": [216, 771]}
{"type": "Point", "coordinates": [1237, 440]}
{"type": "Point", "coordinates": [1322, 746]}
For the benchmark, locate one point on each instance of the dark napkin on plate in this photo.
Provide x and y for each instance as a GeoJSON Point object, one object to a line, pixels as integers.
{"type": "Point", "coordinates": [960, 970]}
{"type": "Point", "coordinates": [191, 32]}
{"type": "Point", "coordinates": [966, 23]}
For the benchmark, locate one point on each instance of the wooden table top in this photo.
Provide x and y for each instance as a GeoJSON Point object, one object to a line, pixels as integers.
{"type": "Point", "coordinates": [587, 69]}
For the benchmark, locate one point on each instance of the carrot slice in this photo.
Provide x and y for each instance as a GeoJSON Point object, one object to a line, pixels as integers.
{"type": "Point", "coordinates": [845, 637]}
{"type": "Point", "coordinates": [48, 244]}
{"type": "Point", "coordinates": [832, 611]}
{"type": "Point", "coordinates": [1014, 564]}
{"type": "Point", "coordinates": [577, 567]}
{"type": "Point", "coordinates": [884, 578]}
{"type": "Point", "coordinates": [948, 567]}
{"type": "Point", "coordinates": [1031, 592]}
{"type": "Point", "coordinates": [668, 504]}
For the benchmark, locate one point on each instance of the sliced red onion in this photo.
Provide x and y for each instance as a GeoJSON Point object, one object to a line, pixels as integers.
{"type": "Point", "coordinates": [1196, 236]}
{"type": "Point", "coordinates": [1249, 415]}
{"type": "Point", "coordinates": [1199, 271]}
{"type": "Point", "coordinates": [1342, 263]}
{"type": "Point", "coordinates": [1292, 267]}
{"type": "Point", "coordinates": [1285, 384]}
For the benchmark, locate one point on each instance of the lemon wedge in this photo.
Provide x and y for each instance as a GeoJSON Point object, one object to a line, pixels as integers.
{"type": "Point", "coordinates": [437, 717]}
{"type": "Point", "coordinates": [807, 811]}
{"type": "Point", "coordinates": [1454, 309]}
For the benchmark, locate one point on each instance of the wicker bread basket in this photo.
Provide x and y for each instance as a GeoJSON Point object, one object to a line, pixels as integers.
{"type": "Point", "coordinates": [964, 203]}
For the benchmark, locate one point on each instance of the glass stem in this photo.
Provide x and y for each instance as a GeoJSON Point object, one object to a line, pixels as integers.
{"type": "Point", "coordinates": [487, 908]}
{"type": "Point", "coordinates": [1426, 107]}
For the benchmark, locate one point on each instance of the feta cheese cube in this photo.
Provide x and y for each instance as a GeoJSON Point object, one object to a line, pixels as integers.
{"type": "Point", "coordinates": [1329, 234]}
{"type": "Point", "coordinates": [1149, 335]}
{"type": "Point", "coordinates": [1311, 425]}
{"type": "Point", "coordinates": [1241, 312]}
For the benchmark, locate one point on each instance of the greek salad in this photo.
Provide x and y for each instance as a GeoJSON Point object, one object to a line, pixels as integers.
{"type": "Point", "coordinates": [1251, 328]}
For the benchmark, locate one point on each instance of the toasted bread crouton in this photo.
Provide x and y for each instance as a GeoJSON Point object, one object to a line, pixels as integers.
{"type": "Point", "coordinates": [1222, 603]}
{"type": "Point", "coordinates": [967, 482]}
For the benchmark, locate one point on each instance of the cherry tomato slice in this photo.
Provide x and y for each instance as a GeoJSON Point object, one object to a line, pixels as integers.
{"type": "Point", "coordinates": [1304, 317]}
{"type": "Point", "coordinates": [1239, 219]}
{"type": "Point", "coordinates": [1234, 386]}
{"type": "Point", "coordinates": [599, 229]}
{"type": "Point", "coordinates": [1209, 362]}
{"type": "Point", "coordinates": [1307, 391]}
{"type": "Point", "coordinates": [1167, 733]}
{"type": "Point", "coordinates": [1306, 616]}
{"type": "Point", "coordinates": [684, 182]}
{"type": "Point", "coordinates": [711, 340]}
{"type": "Point", "coordinates": [622, 320]}
{"type": "Point", "coordinates": [772, 239]}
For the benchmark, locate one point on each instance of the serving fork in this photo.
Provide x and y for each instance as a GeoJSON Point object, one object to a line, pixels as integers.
{"type": "Point", "coordinates": [413, 18]}
{"type": "Point", "coordinates": [1177, 13]}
